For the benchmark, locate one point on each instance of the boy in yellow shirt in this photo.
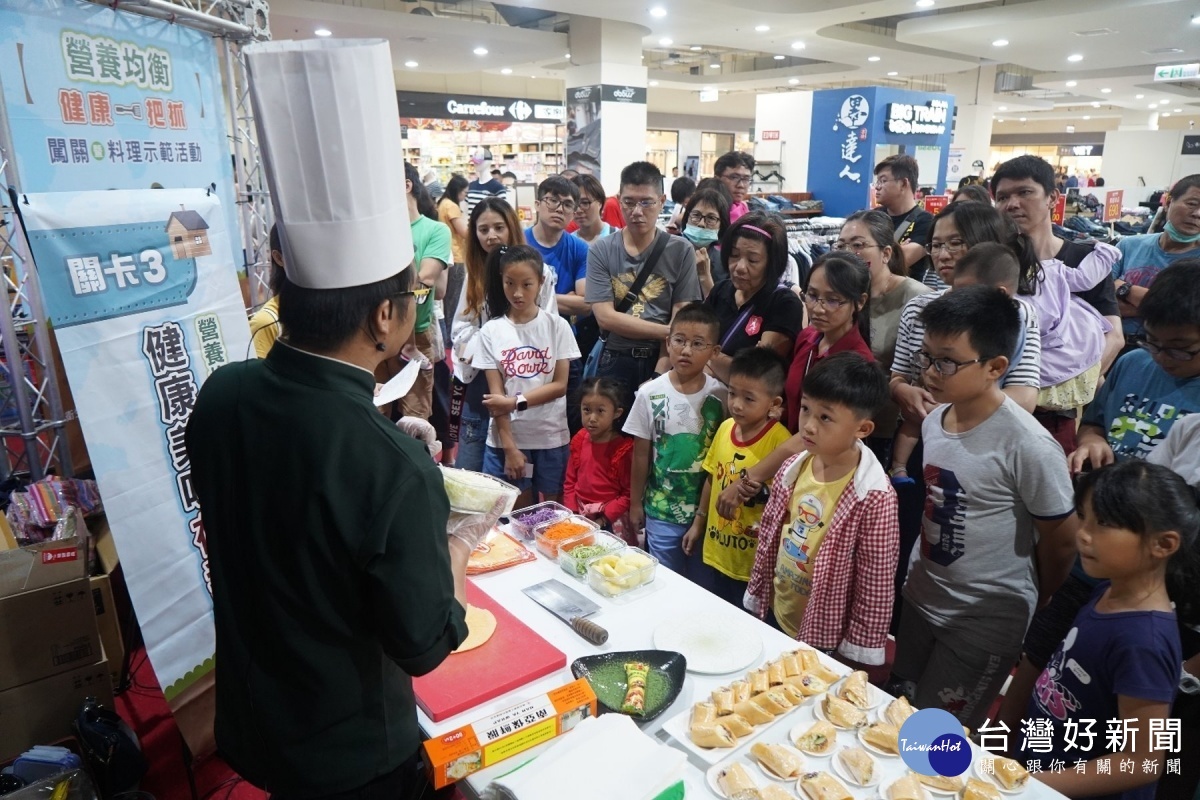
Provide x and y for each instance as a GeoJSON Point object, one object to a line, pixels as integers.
{"type": "Point", "coordinates": [756, 378]}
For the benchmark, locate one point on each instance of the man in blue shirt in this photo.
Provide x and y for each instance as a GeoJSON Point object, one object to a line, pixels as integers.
{"type": "Point", "coordinates": [557, 198]}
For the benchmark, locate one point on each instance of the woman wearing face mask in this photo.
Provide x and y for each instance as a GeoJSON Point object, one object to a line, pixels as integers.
{"type": "Point", "coordinates": [754, 309]}
{"type": "Point", "coordinates": [705, 220]}
{"type": "Point", "coordinates": [493, 223]}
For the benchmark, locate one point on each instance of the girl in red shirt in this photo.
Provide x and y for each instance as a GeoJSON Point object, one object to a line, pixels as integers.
{"type": "Point", "coordinates": [597, 480]}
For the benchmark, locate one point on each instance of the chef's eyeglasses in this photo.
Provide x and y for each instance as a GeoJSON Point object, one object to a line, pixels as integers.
{"type": "Point", "coordinates": [943, 366]}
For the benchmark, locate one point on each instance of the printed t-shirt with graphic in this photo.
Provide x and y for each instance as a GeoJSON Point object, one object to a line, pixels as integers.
{"type": "Point", "coordinates": [974, 573]}
{"type": "Point", "coordinates": [568, 257]}
{"type": "Point", "coordinates": [526, 356]}
{"type": "Point", "coordinates": [1132, 653]}
{"type": "Point", "coordinates": [612, 271]}
{"type": "Point", "coordinates": [1138, 403]}
{"type": "Point", "coordinates": [810, 514]}
{"type": "Point", "coordinates": [680, 428]}
{"type": "Point", "coordinates": [1142, 258]}
{"type": "Point", "coordinates": [729, 544]}
{"type": "Point", "coordinates": [431, 239]}
{"type": "Point", "coordinates": [1180, 451]}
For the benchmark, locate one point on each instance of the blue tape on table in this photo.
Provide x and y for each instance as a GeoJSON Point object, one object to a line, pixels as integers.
{"type": "Point", "coordinates": [109, 271]}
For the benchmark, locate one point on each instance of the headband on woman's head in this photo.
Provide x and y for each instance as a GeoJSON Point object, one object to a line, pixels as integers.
{"type": "Point", "coordinates": [757, 230]}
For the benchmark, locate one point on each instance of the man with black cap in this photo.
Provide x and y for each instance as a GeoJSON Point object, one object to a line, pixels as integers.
{"type": "Point", "coordinates": [333, 577]}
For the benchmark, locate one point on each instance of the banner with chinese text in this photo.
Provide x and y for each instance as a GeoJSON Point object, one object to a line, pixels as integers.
{"type": "Point", "coordinates": [145, 304]}
{"type": "Point", "coordinates": [103, 99]}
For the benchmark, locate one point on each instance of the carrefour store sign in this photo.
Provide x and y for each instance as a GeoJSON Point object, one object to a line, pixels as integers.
{"type": "Point", "coordinates": [929, 119]}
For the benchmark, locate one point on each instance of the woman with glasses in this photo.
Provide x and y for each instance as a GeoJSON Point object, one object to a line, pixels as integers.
{"type": "Point", "coordinates": [754, 308]}
{"type": "Point", "coordinates": [870, 235]}
{"type": "Point", "coordinates": [493, 224]}
{"type": "Point", "coordinates": [705, 220]}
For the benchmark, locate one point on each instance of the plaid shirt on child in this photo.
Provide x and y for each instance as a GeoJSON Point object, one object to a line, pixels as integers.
{"type": "Point", "coordinates": [853, 588]}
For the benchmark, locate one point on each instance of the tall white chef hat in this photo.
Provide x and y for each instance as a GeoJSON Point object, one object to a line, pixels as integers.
{"type": "Point", "coordinates": [329, 132]}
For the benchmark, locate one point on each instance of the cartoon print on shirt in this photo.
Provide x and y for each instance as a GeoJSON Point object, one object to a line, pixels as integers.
{"type": "Point", "coordinates": [1051, 695]}
{"type": "Point", "coordinates": [1138, 426]}
{"type": "Point", "coordinates": [808, 520]}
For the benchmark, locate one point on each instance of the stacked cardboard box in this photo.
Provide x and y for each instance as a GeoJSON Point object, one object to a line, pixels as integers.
{"type": "Point", "coordinates": [50, 653]}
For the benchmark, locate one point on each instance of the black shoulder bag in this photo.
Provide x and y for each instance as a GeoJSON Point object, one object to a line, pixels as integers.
{"type": "Point", "coordinates": [660, 244]}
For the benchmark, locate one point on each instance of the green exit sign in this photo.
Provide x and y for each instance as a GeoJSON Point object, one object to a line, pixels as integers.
{"type": "Point", "coordinates": [1176, 72]}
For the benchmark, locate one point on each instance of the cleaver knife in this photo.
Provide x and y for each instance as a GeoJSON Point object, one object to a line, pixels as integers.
{"type": "Point", "coordinates": [570, 606]}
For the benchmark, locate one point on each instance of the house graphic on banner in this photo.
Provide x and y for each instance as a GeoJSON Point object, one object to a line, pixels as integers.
{"type": "Point", "coordinates": [188, 233]}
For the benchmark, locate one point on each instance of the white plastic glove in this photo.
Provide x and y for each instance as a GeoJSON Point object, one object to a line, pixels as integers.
{"type": "Point", "coordinates": [472, 528]}
{"type": "Point", "coordinates": [422, 431]}
{"type": "Point", "coordinates": [752, 604]}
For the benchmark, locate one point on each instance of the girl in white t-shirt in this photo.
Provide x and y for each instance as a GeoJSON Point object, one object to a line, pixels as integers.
{"type": "Point", "coordinates": [524, 353]}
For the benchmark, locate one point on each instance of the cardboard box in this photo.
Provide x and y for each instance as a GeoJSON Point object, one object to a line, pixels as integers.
{"type": "Point", "coordinates": [492, 739]}
{"type": "Point", "coordinates": [42, 565]}
{"type": "Point", "coordinates": [108, 614]}
{"type": "Point", "coordinates": [42, 712]}
{"type": "Point", "coordinates": [108, 624]}
{"type": "Point", "coordinates": [46, 632]}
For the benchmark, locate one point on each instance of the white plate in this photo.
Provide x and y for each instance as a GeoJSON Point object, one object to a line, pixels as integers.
{"type": "Point", "coordinates": [798, 730]}
{"type": "Point", "coordinates": [819, 711]}
{"type": "Point", "coordinates": [680, 724]}
{"type": "Point", "coordinates": [800, 790]}
{"type": "Point", "coordinates": [711, 777]}
{"type": "Point", "coordinates": [772, 775]}
{"type": "Point", "coordinates": [846, 775]}
{"type": "Point", "coordinates": [712, 644]}
{"type": "Point", "coordinates": [990, 778]}
{"type": "Point", "coordinates": [875, 696]}
{"type": "Point", "coordinates": [935, 790]}
{"type": "Point", "coordinates": [884, 791]}
{"type": "Point", "coordinates": [876, 750]}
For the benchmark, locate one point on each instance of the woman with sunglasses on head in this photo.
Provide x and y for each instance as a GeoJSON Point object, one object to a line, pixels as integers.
{"type": "Point", "coordinates": [755, 309]}
{"type": "Point", "coordinates": [493, 224]}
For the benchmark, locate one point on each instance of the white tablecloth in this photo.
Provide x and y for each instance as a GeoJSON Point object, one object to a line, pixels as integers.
{"type": "Point", "coordinates": [631, 622]}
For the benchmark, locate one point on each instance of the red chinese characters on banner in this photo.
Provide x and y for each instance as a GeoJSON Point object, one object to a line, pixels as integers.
{"type": "Point", "coordinates": [99, 108]}
{"type": "Point", "coordinates": [156, 112]}
{"type": "Point", "coordinates": [70, 103]}
{"type": "Point", "coordinates": [175, 116]}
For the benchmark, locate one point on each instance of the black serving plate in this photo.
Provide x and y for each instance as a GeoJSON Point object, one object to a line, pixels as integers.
{"type": "Point", "coordinates": [606, 675]}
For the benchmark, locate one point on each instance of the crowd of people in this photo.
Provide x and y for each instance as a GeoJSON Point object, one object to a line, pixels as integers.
{"type": "Point", "coordinates": [957, 429]}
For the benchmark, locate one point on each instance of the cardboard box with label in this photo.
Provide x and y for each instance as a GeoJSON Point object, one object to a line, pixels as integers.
{"type": "Point", "coordinates": [41, 712]}
{"type": "Point", "coordinates": [47, 631]}
{"type": "Point", "coordinates": [457, 754]}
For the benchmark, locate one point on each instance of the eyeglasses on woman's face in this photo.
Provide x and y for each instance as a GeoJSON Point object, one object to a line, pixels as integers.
{"type": "Point", "coordinates": [855, 246]}
{"type": "Point", "coordinates": [704, 220]}
{"type": "Point", "coordinates": [832, 302]}
{"type": "Point", "coordinates": [952, 247]}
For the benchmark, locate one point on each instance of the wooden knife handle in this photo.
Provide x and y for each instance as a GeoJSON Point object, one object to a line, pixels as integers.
{"type": "Point", "coordinates": [589, 630]}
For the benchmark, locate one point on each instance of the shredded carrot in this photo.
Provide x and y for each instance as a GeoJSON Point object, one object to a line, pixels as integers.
{"type": "Point", "coordinates": [561, 531]}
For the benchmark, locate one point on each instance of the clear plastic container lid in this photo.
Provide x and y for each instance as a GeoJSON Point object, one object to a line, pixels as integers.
{"type": "Point", "coordinates": [550, 535]}
{"type": "Point", "coordinates": [538, 514]}
{"type": "Point", "coordinates": [476, 493]}
{"type": "Point", "coordinates": [617, 573]}
{"type": "Point", "coordinates": [574, 555]}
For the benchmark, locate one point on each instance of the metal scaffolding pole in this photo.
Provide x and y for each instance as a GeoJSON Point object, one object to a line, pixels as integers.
{"type": "Point", "coordinates": [31, 411]}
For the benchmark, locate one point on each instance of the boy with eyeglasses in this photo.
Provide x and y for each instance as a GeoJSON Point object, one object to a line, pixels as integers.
{"type": "Point", "coordinates": [635, 333]}
{"type": "Point", "coordinates": [673, 420]}
{"type": "Point", "coordinates": [895, 191]}
{"type": "Point", "coordinates": [998, 531]}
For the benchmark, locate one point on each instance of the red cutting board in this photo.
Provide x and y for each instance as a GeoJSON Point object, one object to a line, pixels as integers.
{"type": "Point", "coordinates": [513, 657]}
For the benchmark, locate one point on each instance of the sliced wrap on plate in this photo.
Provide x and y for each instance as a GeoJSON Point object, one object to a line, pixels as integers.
{"type": "Point", "coordinates": [1010, 773]}
{"type": "Point", "coordinates": [713, 736]}
{"type": "Point", "coordinates": [841, 713]}
{"type": "Point", "coordinates": [778, 759]}
{"type": "Point", "coordinates": [820, 739]}
{"type": "Point", "coordinates": [855, 690]}
{"type": "Point", "coordinates": [898, 711]}
{"type": "Point", "coordinates": [823, 786]}
{"type": "Point", "coordinates": [980, 790]}
{"type": "Point", "coordinates": [884, 736]}
{"type": "Point", "coordinates": [858, 763]}
{"type": "Point", "coordinates": [906, 787]}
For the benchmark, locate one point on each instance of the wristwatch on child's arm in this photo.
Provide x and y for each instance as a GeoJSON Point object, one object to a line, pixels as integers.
{"type": "Point", "coordinates": [522, 403]}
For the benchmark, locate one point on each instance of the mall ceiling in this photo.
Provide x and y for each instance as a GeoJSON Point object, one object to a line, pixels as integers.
{"type": "Point", "coordinates": [1057, 58]}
